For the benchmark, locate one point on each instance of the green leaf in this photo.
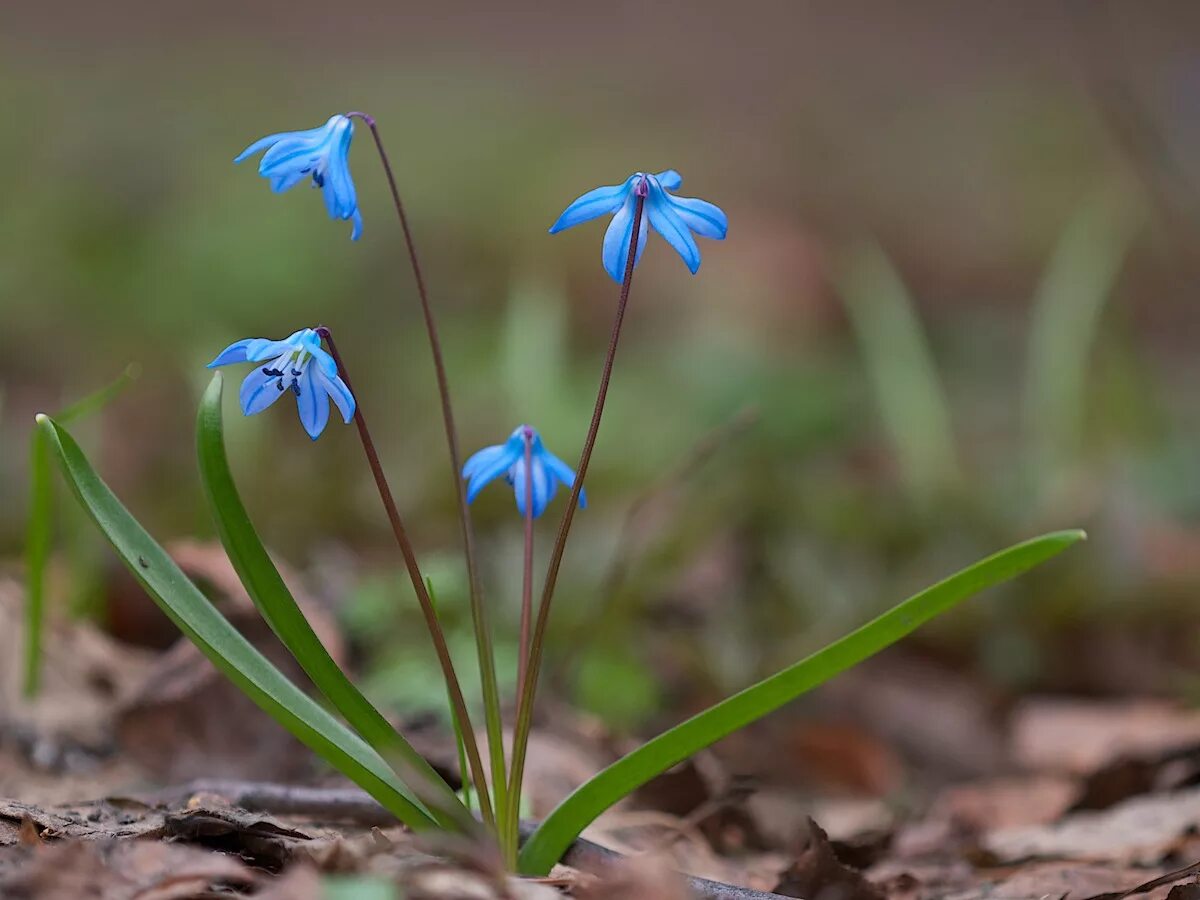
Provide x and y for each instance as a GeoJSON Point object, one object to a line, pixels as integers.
{"type": "Point", "coordinates": [564, 824]}
{"type": "Point", "coordinates": [38, 534]}
{"type": "Point", "coordinates": [900, 365]}
{"type": "Point", "coordinates": [273, 599]}
{"type": "Point", "coordinates": [1067, 308]}
{"type": "Point", "coordinates": [228, 650]}
{"type": "Point", "coordinates": [97, 400]}
{"type": "Point", "coordinates": [40, 524]}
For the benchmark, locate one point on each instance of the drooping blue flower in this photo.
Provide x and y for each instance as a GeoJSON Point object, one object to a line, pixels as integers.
{"type": "Point", "coordinates": [290, 365]}
{"type": "Point", "coordinates": [508, 459]}
{"type": "Point", "coordinates": [675, 218]}
{"type": "Point", "coordinates": [323, 154]}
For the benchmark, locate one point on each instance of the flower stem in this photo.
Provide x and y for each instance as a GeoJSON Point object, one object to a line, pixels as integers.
{"type": "Point", "coordinates": [483, 633]}
{"type": "Point", "coordinates": [453, 688]}
{"type": "Point", "coordinates": [529, 688]}
{"type": "Point", "coordinates": [527, 580]}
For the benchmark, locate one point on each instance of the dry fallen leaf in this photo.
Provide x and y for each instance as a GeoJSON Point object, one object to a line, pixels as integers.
{"type": "Point", "coordinates": [1078, 737]}
{"type": "Point", "coordinates": [60, 744]}
{"type": "Point", "coordinates": [817, 873]}
{"type": "Point", "coordinates": [116, 870]}
{"type": "Point", "coordinates": [647, 877]}
{"type": "Point", "coordinates": [1005, 802]}
{"type": "Point", "coordinates": [1058, 880]}
{"type": "Point", "coordinates": [301, 881]}
{"type": "Point", "coordinates": [1139, 831]}
{"type": "Point", "coordinates": [920, 712]}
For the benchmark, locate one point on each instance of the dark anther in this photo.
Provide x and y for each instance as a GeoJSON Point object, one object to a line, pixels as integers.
{"type": "Point", "coordinates": [280, 385]}
{"type": "Point", "coordinates": [318, 179]}
{"type": "Point", "coordinates": [296, 388]}
{"type": "Point", "coordinates": [297, 372]}
{"type": "Point", "coordinates": [274, 373]}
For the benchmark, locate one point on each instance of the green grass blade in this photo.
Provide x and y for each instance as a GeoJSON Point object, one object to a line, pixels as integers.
{"type": "Point", "coordinates": [1066, 315]}
{"type": "Point", "coordinates": [228, 650]}
{"type": "Point", "coordinates": [98, 399]}
{"type": "Point", "coordinates": [565, 823]}
{"type": "Point", "coordinates": [40, 524]}
{"type": "Point", "coordinates": [38, 534]}
{"type": "Point", "coordinates": [900, 365]}
{"type": "Point", "coordinates": [278, 607]}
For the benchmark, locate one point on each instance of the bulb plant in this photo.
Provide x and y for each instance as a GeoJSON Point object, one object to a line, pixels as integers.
{"type": "Point", "coordinates": [359, 740]}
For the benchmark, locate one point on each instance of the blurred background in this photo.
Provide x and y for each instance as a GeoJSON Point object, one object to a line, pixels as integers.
{"type": "Point", "coordinates": [956, 308]}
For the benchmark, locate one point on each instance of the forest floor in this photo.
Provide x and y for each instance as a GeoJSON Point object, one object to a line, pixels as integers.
{"type": "Point", "coordinates": [141, 773]}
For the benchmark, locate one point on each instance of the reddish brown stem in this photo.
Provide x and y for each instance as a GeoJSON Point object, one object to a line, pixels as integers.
{"type": "Point", "coordinates": [529, 689]}
{"type": "Point", "coordinates": [418, 582]}
{"type": "Point", "coordinates": [483, 633]}
{"type": "Point", "coordinates": [527, 580]}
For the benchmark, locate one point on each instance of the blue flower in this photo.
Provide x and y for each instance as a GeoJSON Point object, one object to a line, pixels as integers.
{"type": "Point", "coordinates": [508, 459]}
{"type": "Point", "coordinates": [675, 218]}
{"type": "Point", "coordinates": [319, 152]}
{"type": "Point", "coordinates": [290, 366]}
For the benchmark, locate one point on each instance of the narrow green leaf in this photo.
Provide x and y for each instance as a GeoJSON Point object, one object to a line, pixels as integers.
{"type": "Point", "coordinates": [271, 595]}
{"type": "Point", "coordinates": [896, 353]}
{"type": "Point", "coordinates": [228, 650]}
{"type": "Point", "coordinates": [1067, 308]}
{"type": "Point", "coordinates": [40, 524]}
{"type": "Point", "coordinates": [38, 534]}
{"type": "Point", "coordinates": [97, 400]}
{"type": "Point", "coordinates": [564, 824]}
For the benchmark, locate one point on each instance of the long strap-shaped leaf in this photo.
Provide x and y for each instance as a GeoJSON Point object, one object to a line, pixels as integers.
{"type": "Point", "coordinates": [581, 808]}
{"type": "Point", "coordinates": [273, 599]}
{"type": "Point", "coordinates": [229, 651]}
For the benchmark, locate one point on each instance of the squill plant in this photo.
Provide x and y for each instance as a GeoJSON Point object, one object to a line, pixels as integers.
{"type": "Point", "coordinates": [359, 740]}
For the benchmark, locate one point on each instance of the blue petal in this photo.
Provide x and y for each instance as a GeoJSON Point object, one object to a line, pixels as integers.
{"type": "Point", "coordinates": [671, 227]}
{"type": "Point", "coordinates": [482, 458]}
{"type": "Point", "coordinates": [286, 180]}
{"type": "Point", "coordinates": [670, 179]}
{"type": "Point", "coordinates": [306, 339]}
{"type": "Point", "coordinates": [313, 405]}
{"type": "Point", "coordinates": [616, 240]}
{"type": "Point", "coordinates": [259, 145]}
{"type": "Point", "coordinates": [564, 473]}
{"type": "Point", "coordinates": [339, 193]}
{"type": "Point", "coordinates": [289, 155]}
{"type": "Point", "coordinates": [702, 217]}
{"type": "Point", "coordinates": [591, 205]}
{"type": "Point", "coordinates": [327, 363]}
{"type": "Point", "coordinates": [338, 392]}
{"type": "Point", "coordinates": [487, 465]}
{"type": "Point", "coordinates": [234, 353]}
{"type": "Point", "coordinates": [543, 486]}
{"type": "Point", "coordinates": [356, 231]}
{"type": "Point", "coordinates": [259, 391]}
{"type": "Point", "coordinates": [293, 146]}
{"type": "Point", "coordinates": [260, 349]}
